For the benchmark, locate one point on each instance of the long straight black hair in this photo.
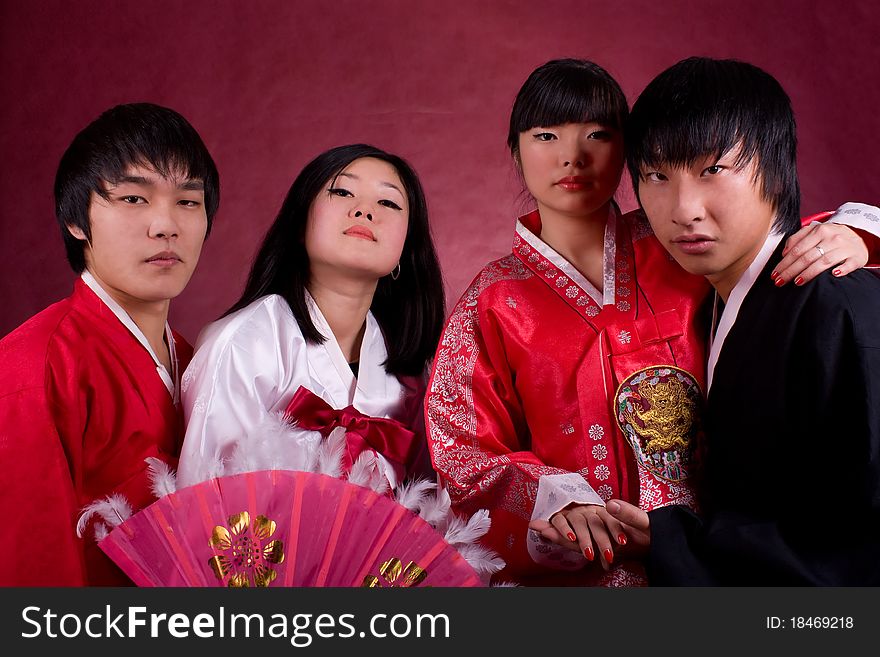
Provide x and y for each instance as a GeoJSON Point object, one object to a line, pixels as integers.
{"type": "Point", "coordinates": [409, 310]}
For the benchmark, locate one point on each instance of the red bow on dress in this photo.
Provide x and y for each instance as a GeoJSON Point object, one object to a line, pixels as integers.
{"type": "Point", "coordinates": [387, 437]}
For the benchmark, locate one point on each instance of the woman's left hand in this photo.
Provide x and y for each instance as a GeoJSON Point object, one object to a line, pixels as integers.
{"type": "Point", "coordinates": [818, 247]}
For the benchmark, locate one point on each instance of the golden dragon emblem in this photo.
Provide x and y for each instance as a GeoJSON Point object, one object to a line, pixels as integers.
{"type": "Point", "coordinates": [667, 423]}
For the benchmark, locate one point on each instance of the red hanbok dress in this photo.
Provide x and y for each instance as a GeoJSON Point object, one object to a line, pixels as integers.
{"type": "Point", "coordinates": [547, 391]}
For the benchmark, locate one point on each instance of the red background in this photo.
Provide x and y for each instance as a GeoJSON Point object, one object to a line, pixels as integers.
{"type": "Point", "coordinates": [271, 84]}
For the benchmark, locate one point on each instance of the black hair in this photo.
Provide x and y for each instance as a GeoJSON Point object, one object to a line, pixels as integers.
{"type": "Point", "coordinates": [566, 91]}
{"type": "Point", "coordinates": [138, 134]}
{"type": "Point", "coordinates": [701, 107]}
{"type": "Point", "coordinates": [409, 310]}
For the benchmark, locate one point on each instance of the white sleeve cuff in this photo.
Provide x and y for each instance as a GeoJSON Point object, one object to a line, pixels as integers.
{"type": "Point", "coordinates": [555, 492]}
{"type": "Point", "coordinates": [858, 215]}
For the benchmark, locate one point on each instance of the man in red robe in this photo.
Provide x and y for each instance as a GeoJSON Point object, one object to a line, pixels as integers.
{"type": "Point", "coordinates": [90, 386]}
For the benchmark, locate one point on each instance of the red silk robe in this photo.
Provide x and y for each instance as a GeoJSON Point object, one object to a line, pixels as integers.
{"type": "Point", "coordinates": [538, 373]}
{"type": "Point", "coordinates": [81, 407]}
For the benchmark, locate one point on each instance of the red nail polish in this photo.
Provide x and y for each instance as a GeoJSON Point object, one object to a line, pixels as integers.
{"type": "Point", "coordinates": [621, 539]}
{"type": "Point", "coordinates": [779, 282]}
{"type": "Point", "coordinates": [588, 553]}
{"type": "Point", "coordinates": [799, 280]}
{"type": "Point", "coordinates": [836, 272]}
{"type": "Point", "coordinates": [572, 537]}
{"type": "Point", "coordinates": [609, 556]}
{"type": "Point", "coordinates": [774, 275]}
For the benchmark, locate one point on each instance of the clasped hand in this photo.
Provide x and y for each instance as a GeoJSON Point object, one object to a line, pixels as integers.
{"type": "Point", "coordinates": [618, 530]}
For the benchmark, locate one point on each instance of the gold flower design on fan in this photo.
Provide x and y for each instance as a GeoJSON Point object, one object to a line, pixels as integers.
{"type": "Point", "coordinates": [246, 551]}
{"type": "Point", "coordinates": [395, 575]}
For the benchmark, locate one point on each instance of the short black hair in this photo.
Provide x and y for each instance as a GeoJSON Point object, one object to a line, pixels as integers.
{"type": "Point", "coordinates": [566, 91]}
{"type": "Point", "coordinates": [137, 134]}
{"type": "Point", "coordinates": [409, 310]}
{"type": "Point", "coordinates": [701, 107]}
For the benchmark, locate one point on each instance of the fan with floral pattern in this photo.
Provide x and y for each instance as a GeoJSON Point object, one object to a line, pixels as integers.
{"type": "Point", "coordinates": [283, 528]}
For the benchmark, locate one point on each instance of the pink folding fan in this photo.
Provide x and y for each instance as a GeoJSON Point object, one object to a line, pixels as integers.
{"type": "Point", "coordinates": [283, 528]}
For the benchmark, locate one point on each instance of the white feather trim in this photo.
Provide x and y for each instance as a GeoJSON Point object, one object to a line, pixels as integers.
{"type": "Point", "coordinates": [285, 446]}
{"type": "Point", "coordinates": [274, 443]}
{"type": "Point", "coordinates": [101, 531]}
{"type": "Point", "coordinates": [163, 480]}
{"type": "Point", "coordinates": [460, 532]}
{"type": "Point", "coordinates": [377, 482]}
{"type": "Point", "coordinates": [298, 454]}
{"type": "Point", "coordinates": [450, 526]}
{"type": "Point", "coordinates": [380, 482]}
{"type": "Point", "coordinates": [368, 472]}
{"type": "Point", "coordinates": [212, 470]}
{"type": "Point", "coordinates": [412, 494]}
{"type": "Point", "coordinates": [362, 469]}
{"type": "Point", "coordinates": [113, 509]}
{"type": "Point", "coordinates": [330, 453]}
{"type": "Point", "coordinates": [435, 509]}
{"type": "Point", "coordinates": [481, 559]}
{"type": "Point", "coordinates": [242, 459]}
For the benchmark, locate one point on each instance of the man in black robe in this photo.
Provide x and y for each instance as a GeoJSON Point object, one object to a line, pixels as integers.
{"type": "Point", "coordinates": [792, 478]}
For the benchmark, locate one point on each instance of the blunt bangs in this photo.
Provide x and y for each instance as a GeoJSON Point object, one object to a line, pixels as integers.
{"type": "Point", "coordinates": [566, 91]}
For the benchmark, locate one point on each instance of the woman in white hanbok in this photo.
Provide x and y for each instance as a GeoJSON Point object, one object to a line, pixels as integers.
{"type": "Point", "coordinates": [345, 299]}
{"type": "Point", "coordinates": [321, 365]}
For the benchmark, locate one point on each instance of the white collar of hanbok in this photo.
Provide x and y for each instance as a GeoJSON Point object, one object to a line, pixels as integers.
{"type": "Point", "coordinates": [370, 390]}
{"type": "Point", "coordinates": [735, 300]}
{"type": "Point", "coordinates": [168, 378]}
{"type": "Point", "coordinates": [607, 297]}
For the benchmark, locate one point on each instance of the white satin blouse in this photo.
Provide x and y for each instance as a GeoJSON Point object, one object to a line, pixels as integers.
{"type": "Point", "coordinates": [248, 365]}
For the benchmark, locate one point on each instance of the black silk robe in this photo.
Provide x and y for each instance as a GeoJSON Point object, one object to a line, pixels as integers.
{"type": "Point", "coordinates": [793, 445]}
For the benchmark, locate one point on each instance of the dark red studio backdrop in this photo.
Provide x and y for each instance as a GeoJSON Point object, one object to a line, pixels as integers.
{"type": "Point", "coordinates": [271, 84]}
